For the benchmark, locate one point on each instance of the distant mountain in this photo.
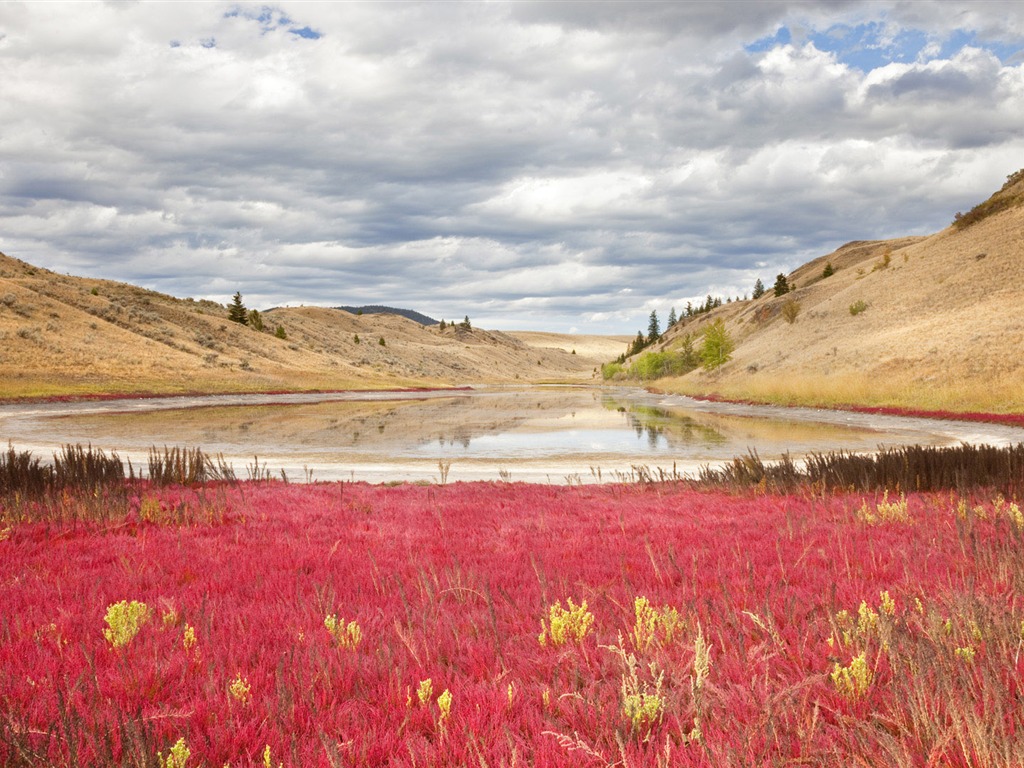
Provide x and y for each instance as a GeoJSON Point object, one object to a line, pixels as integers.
{"type": "Point", "coordinates": [376, 309]}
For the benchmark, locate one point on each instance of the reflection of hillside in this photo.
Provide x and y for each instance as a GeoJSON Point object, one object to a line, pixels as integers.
{"type": "Point", "coordinates": [676, 429]}
{"type": "Point", "coordinates": [360, 424]}
{"type": "Point", "coordinates": [680, 427]}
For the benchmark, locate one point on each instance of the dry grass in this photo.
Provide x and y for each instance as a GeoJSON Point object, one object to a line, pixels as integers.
{"type": "Point", "coordinates": [942, 329]}
{"type": "Point", "coordinates": [62, 335]}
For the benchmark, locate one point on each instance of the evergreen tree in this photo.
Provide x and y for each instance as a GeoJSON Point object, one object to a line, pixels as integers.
{"type": "Point", "coordinates": [672, 319]}
{"type": "Point", "coordinates": [758, 289]}
{"type": "Point", "coordinates": [465, 323]}
{"type": "Point", "coordinates": [280, 333]}
{"type": "Point", "coordinates": [781, 285]}
{"type": "Point", "coordinates": [828, 271]}
{"type": "Point", "coordinates": [443, 325]}
{"type": "Point", "coordinates": [237, 312]}
{"type": "Point", "coordinates": [653, 328]}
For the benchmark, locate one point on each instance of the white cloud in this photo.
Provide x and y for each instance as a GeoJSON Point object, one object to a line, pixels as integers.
{"type": "Point", "coordinates": [558, 164]}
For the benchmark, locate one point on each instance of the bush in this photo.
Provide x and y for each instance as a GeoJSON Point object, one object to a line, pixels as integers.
{"type": "Point", "coordinates": [650, 365]}
{"type": "Point", "coordinates": [790, 310]}
{"type": "Point", "coordinates": [857, 307]}
{"type": "Point", "coordinates": [611, 371]}
{"type": "Point", "coordinates": [828, 271]}
{"type": "Point", "coordinates": [280, 332]}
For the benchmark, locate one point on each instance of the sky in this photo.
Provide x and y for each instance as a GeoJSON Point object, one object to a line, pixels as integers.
{"type": "Point", "coordinates": [562, 166]}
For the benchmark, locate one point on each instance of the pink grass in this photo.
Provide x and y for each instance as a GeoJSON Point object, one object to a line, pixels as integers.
{"type": "Point", "coordinates": [451, 583]}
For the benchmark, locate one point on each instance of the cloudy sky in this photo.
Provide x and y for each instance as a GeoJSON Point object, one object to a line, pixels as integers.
{"type": "Point", "coordinates": [566, 166]}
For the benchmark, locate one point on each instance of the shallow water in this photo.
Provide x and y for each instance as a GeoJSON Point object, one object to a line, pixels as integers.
{"type": "Point", "coordinates": [547, 434]}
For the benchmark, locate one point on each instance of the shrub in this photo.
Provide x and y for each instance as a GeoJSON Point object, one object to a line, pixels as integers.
{"type": "Point", "coordinates": [565, 624]}
{"type": "Point", "coordinates": [650, 365]}
{"type": "Point", "coordinates": [790, 310]}
{"type": "Point", "coordinates": [124, 620]}
{"type": "Point", "coordinates": [611, 371]}
{"type": "Point", "coordinates": [858, 306]}
{"type": "Point", "coordinates": [828, 271]}
{"type": "Point", "coordinates": [280, 332]}
{"type": "Point", "coordinates": [256, 320]}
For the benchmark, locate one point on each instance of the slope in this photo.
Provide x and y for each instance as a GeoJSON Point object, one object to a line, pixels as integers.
{"type": "Point", "coordinates": [931, 322]}
{"type": "Point", "coordinates": [69, 335]}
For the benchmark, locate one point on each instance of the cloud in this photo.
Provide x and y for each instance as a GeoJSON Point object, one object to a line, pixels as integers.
{"type": "Point", "coordinates": [551, 164]}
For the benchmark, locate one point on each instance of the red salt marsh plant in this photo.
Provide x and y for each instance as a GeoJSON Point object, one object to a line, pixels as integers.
{"type": "Point", "coordinates": [344, 625]}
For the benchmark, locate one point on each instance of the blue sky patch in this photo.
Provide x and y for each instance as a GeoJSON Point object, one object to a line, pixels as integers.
{"type": "Point", "coordinates": [272, 19]}
{"type": "Point", "coordinates": [306, 32]}
{"type": "Point", "coordinates": [875, 44]}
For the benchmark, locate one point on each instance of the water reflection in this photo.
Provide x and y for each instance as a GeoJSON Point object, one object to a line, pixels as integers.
{"type": "Point", "coordinates": [535, 432]}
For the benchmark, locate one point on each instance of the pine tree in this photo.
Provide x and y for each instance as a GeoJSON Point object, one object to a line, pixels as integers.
{"type": "Point", "coordinates": [758, 289]}
{"type": "Point", "coordinates": [653, 328]}
{"type": "Point", "coordinates": [236, 310]}
{"type": "Point", "coordinates": [781, 285]}
{"type": "Point", "coordinates": [828, 271]}
{"type": "Point", "coordinates": [672, 319]}
{"type": "Point", "coordinates": [638, 343]}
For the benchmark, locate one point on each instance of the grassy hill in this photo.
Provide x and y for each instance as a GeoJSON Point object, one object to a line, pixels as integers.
{"type": "Point", "coordinates": [930, 322]}
{"type": "Point", "coordinates": [71, 335]}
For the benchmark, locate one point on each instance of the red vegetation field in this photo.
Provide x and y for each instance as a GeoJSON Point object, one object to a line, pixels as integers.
{"type": "Point", "coordinates": [778, 630]}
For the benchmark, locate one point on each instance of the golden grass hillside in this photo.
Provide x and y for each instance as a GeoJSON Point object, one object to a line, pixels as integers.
{"type": "Point", "coordinates": [69, 335]}
{"type": "Point", "coordinates": [928, 322]}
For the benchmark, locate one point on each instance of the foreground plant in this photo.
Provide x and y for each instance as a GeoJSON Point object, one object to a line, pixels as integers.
{"type": "Point", "coordinates": [124, 620]}
{"type": "Point", "coordinates": [565, 624]}
{"type": "Point", "coordinates": [853, 680]}
{"type": "Point", "coordinates": [346, 636]}
{"type": "Point", "coordinates": [177, 756]}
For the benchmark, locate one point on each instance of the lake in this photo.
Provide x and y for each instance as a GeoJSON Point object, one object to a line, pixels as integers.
{"type": "Point", "coordinates": [555, 434]}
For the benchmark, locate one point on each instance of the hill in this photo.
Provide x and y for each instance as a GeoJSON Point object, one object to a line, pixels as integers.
{"type": "Point", "coordinates": [377, 309]}
{"type": "Point", "coordinates": [70, 335]}
{"type": "Point", "coordinates": [929, 322]}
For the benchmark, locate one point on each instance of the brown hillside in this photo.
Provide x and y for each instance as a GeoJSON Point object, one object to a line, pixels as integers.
{"type": "Point", "coordinates": [70, 335]}
{"type": "Point", "coordinates": [943, 326]}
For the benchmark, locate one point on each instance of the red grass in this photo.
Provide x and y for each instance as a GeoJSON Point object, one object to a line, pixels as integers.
{"type": "Point", "coordinates": [451, 583]}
